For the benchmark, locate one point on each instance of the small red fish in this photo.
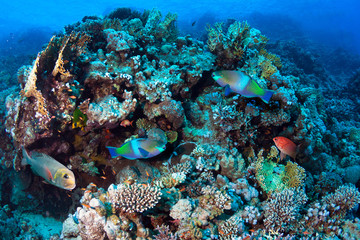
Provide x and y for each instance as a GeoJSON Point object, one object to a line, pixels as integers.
{"type": "Point", "coordinates": [126, 123]}
{"type": "Point", "coordinates": [86, 205]}
{"type": "Point", "coordinates": [286, 147]}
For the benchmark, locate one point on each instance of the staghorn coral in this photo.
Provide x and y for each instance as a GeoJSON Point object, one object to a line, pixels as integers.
{"type": "Point", "coordinates": [230, 229]}
{"type": "Point", "coordinates": [351, 229]}
{"type": "Point", "coordinates": [282, 209]}
{"type": "Point", "coordinates": [345, 198]}
{"type": "Point", "coordinates": [114, 211]}
{"type": "Point", "coordinates": [251, 215]}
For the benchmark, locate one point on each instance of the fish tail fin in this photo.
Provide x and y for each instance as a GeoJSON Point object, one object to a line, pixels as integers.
{"type": "Point", "coordinates": [113, 152]}
{"type": "Point", "coordinates": [267, 95]}
{"type": "Point", "coordinates": [26, 157]}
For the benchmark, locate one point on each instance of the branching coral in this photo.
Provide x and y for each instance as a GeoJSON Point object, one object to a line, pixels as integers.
{"type": "Point", "coordinates": [214, 201]}
{"type": "Point", "coordinates": [345, 198]}
{"type": "Point", "coordinates": [235, 44]}
{"type": "Point", "coordinates": [282, 209]}
{"type": "Point", "coordinates": [230, 228]}
{"type": "Point", "coordinates": [134, 197]}
{"type": "Point", "coordinates": [164, 233]}
{"type": "Point", "coordinates": [294, 175]}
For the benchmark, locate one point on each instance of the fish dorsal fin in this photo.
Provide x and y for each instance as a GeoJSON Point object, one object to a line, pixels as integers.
{"type": "Point", "coordinates": [227, 90]}
{"type": "Point", "coordinates": [143, 152]}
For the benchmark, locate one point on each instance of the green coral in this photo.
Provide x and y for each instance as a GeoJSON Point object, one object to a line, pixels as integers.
{"type": "Point", "coordinates": [275, 177]}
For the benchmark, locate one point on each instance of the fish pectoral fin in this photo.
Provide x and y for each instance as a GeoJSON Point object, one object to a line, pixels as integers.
{"type": "Point", "coordinates": [143, 152]}
{"type": "Point", "coordinates": [49, 176]}
{"type": "Point", "coordinates": [282, 155]}
{"type": "Point", "coordinates": [227, 90]}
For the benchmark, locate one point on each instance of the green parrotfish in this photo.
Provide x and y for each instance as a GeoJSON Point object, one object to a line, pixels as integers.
{"type": "Point", "coordinates": [138, 148]}
{"type": "Point", "coordinates": [239, 82]}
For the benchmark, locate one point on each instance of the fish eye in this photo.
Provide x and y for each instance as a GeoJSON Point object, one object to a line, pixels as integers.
{"type": "Point", "coordinates": [66, 176]}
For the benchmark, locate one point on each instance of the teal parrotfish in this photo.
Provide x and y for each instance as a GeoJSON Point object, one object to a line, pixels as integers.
{"type": "Point", "coordinates": [48, 168]}
{"type": "Point", "coordinates": [148, 147]}
{"type": "Point", "coordinates": [138, 148]}
{"type": "Point", "coordinates": [239, 82]}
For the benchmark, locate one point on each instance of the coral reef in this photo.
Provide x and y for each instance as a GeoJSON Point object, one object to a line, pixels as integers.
{"type": "Point", "coordinates": [129, 76]}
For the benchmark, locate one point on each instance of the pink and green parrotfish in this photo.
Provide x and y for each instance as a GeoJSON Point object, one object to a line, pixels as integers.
{"type": "Point", "coordinates": [239, 82]}
{"type": "Point", "coordinates": [138, 148]}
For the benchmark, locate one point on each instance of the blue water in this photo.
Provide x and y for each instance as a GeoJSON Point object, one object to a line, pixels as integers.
{"type": "Point", "coordinates": [334, 23]}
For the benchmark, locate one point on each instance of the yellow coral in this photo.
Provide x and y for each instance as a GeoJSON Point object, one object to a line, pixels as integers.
{"type": "Point", "coordinates": [215, 35]}
{"type": "Point", "coordinates": [59, 65]}
{"type": "Point", "coordinates": [30, 85]}
{"type": "Point", "coordinates": [169, 18]}
{"type": "Point", "coordinates": [30, 89]}
{"type": "Point", "coordinates": [294, 175]}
{"type": "Point", "coordinates": [76, 42]}
{"type": "Point", "coordinates": [267, 69]}
{"type": "Point", "coordinates": [275, 60]}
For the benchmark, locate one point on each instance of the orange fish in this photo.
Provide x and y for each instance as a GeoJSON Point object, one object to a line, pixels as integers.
{"type": "Point", "coordinates": [286, 147]}
{"type": "Point", "coordinates": [86, 205]}
{"type": "Point", "coordinates": [126, 123]}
